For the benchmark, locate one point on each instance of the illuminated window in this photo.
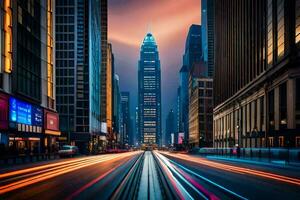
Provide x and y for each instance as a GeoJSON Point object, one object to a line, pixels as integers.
{"type": "Point", "coordinates": [7, 36]}
{"type": "Point", "coordinates": [280, 28]}
{"type": "Point", "coordinates": [297, 28]}
{"type": "Point", "coordinates": [270, 32]}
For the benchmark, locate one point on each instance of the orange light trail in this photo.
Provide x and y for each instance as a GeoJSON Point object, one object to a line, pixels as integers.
{"type": "Point", "coordinates": [23, 171]}
{"type": "Point", "coordinates": [235, 169]}
{"type": "Point", "coordinates": [60, 171]}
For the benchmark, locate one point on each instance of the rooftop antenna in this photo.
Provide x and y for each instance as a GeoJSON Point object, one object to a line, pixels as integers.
{"type": "Point", "coordinates": [149, 27]}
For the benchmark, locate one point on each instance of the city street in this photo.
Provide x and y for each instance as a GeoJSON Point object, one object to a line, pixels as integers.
{"type": "Point", "coordinates": [147, 175]}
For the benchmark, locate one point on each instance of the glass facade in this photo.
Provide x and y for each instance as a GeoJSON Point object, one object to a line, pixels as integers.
{"type": "Point", "coordinates": [280, 28]}
{"type": "Point", "coordinates": [94, 63]}
{"type": "Point", "coordinates": [149, 91]}
{"type": "Point", "coordinates": [270, 31]}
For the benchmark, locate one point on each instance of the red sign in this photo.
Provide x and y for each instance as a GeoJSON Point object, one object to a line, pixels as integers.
{"type": "Point", "coordinates": [3, 111]}
{"type": "Point", "coordinates": [51, 121]}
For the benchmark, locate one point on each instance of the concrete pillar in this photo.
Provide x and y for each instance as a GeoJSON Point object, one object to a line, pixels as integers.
{"type": "Point", "coordinates": [276, 108]}
{"type": "Point", "coordinates": [291, 103]}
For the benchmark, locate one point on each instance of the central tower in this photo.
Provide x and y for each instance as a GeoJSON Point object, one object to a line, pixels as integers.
{"type": "Point", "coordinates": [149, 93]}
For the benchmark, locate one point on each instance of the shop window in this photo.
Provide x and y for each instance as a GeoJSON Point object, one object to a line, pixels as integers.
{"type": "Point", "coordinates": [281, 141]}
{"type": "Point", "coordinates": [271, 141]}
{"type": "Point", "coordinates": [298, 141]}
{"type": "Point", "coordinates": [283, 105]}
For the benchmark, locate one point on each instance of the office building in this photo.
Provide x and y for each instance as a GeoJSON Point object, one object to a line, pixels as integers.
{"type": "Point", "coordinates": [80, 29]}
{"type": "Point", "coordinates": [257, 83]}
{"type": "Point", "coordinates": [116, 109]}
{"type": "Point", "coordinates": [125, 106]}
{"type": "Point", "coordinates": [28, 117]}
{"type": "Point", "coordinates": [149, 93]}
{"type": "Point", "coordinates": [193, 53]}
{"type": "Point", "coordinates": [109, 94]}
{"type": "Point", "coordinates": [200, 108]}
{"type": "Point", "coordinates": [170, 128]}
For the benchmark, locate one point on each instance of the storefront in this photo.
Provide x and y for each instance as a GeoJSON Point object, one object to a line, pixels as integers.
{"type": "Point", "coordinates": [51, 130]}
{"type": "Point", "coordinates": [25, 128]}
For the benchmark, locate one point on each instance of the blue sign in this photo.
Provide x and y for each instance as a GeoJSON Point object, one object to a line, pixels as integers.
{"type": "Point", "coordinates": [37, 116]}
{"type": "Point", "coordinates": [19, 111]}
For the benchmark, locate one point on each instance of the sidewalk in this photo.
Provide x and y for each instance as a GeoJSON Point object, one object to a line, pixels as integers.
{"type": "Point", "coordinates": [10, 161]}
{"type": "Point", "coordinates": [259, 161]}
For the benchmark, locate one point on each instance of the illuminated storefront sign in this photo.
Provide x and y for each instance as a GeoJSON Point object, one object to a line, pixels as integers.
{"type": "Point", "coordinates": [27, 117]}
{"type": "Point", "coordinates": [51, 123]}
{"type": "Point", "coordinates": [37, 116]}
{"type": "Point", "coordinates": [19, 111]}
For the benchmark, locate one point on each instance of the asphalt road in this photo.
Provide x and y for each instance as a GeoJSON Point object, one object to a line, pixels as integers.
{"type": "Point", "coordinates": [167, 175]}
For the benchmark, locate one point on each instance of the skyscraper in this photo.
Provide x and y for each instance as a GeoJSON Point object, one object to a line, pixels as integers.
{"type": "Point", "coordinates": [28, 118]}
{"type": "Point", "coordinates": [207, 34]}
{"type": "Point", "coordinates": [257, 90]}
{"type": "Point", "coordinates": [109, 92]}
{"type": "Point", "coordinates": [126, 122]}
{"type": "Point", "coordinates": [149, 92]}
{"type": "Point", "coordinates": [117, 108]}
{"type": "Point", "coordinates": [79, 56]}
{"type": "Point", "coordinates": [193, 54]}
{"type": "Point", "coordinates": [170, 128]}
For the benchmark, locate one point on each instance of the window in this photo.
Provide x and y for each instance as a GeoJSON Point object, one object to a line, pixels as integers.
{"type": "Point", "coordinates": [270, 32]}
{"type": "Point", "coordinates": [280, 28]}
{"type": "Point", "coordinates": [297, 141]}
{"type": "Point", "coordinates": [271, 110]}
{"type": "Point", "coordinates": [281, 141]}
{"type": "Point", "coordinates": [283, 105]}
{"type": "Point", "coordinates": [297, 28]}
{"type": "Point", "coordinates": [297, 103]}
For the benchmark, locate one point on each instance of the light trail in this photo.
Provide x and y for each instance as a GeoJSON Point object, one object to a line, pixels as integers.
{"type": "Point", "coordinates": [181, 191]}
{"type": "Point", "coordinates": [234, 169]}
{"type": "Point", "coordinates": [54, 173]}
{"type": "Point", "coordinates": [23, 171]}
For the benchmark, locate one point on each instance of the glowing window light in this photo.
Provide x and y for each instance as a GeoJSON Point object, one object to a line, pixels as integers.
{"type": "Point", "coordinates": [7, 36]}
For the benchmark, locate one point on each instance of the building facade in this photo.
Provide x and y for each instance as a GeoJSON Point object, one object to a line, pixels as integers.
{"type": "Point", "coordinates": [149, 92]}
{"type": "Point", "coordinates": [117, 109]}
{"type": "Point", "coordinates": [109, 94]}
{"type": "Point", "coordinates": [170, 128]}
{"type": "Point", "coordinates": [28, 117]}
{"type": "Point", "coordinates": [78, 56]}
{"type": "Point", "coordinates": [193, 53]}
{"type": "Point", "coordinates": [257, 90]}
{"type": "Point", "coordinates": [200, 111]}
{"type": "Point", "coordinates": [125, 126]}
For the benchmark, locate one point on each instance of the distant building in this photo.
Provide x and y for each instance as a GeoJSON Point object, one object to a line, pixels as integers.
{"type": "Point", "coordinates": [117, 109]}
{"type": "Point", "coordinates": [29, 122]}
{"type": "Point", "coordinates": [109, 94]}
{"type": "Point", "coordinates": [200, 108]}
{"type": "Point", "coordinates": [257, 86]}
{"type": "Point", "coordinates": [170, 128]}
{"type": "Point", "coordinates": [193, 53]}
{"type": "Point", "coordinates": [125, 106]}
{"type": "Point", "coordinates": [149, 92]}
{"type": "Point", "coordinates": [80, 41]}
{"type": "Point", "coordinates": [207, 34]}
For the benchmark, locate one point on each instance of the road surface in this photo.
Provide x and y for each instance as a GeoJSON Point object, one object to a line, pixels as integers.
{"type": "Point", "coordinates": [148, 175]}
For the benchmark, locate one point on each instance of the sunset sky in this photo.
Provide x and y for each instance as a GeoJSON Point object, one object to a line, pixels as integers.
{"type": "Point", "coordinates": [169, 21]}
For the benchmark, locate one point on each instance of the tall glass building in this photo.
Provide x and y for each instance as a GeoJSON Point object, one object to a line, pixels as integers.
{"type": "Point", "coordinates": [149, 92]}
{"type": "Point", "coordinates": [79, 58]}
